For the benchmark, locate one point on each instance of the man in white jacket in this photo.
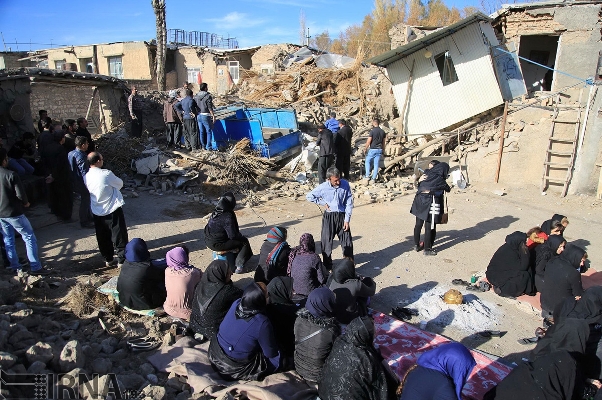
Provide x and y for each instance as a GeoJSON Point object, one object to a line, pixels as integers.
{"type": "Point", "coordinates": [106, 202]}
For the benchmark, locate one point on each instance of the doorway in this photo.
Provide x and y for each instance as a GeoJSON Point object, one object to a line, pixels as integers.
{"type": "Point", "coordinates": [541, 49]}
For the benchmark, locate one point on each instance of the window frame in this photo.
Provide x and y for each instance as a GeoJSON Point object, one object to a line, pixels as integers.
{"type": "Point", "coordinates": [61, 63]}
{"type": "Point", "coordinates": [234, 66]}
{"type": "Point", "coordinates": [192, 79]}
{"type": "Point", "coordinates": [446, 68]}
{"type": "Point", "coordinates": [115, 74]}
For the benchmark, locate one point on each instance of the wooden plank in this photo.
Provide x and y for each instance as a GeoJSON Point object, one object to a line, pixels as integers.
{"type": "Point", "coordinates": [546, 168]}
{"type": "Point", "coordinates": [599, 194]}
{"type": "Point", "coordinates": [569, 172]}
{"type": "Point", "coordinates": [502, 137]}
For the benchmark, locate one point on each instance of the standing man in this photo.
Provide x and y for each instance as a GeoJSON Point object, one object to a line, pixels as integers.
{"type": "Point", "coordinates": [82, 130]}
{"type": "Point", "coordinates": [106, 202]}
{"type": "Point", "coordinates": [173, 125]}
{"type": "Point", "coordinates": [70, 127]}
{"type": "Point", "coordinates": [13, 201]}
{"type": "Point", "coordinates": [53, 159]}
{"type": "Point", "coordinates": [332, 124]}
{"type": "Point", "coordinates": [327, 151]}
{"type": "Point", "coordinates": [135, 106]}
{"type": "Point", "coordinates": [206, 117]}
{"type": "Point", "coordinates": [43, 115]}
{"type": "Point", "coordinates": [188, 108]}
{"type": "Point", "coordinates": [78, 164]}
{"type": "Point", "coordinates": [342, 143]}
{"type": "Point", "coordinates": [375, 148]}
{"type": "Point", "coordinates": [335, 194]}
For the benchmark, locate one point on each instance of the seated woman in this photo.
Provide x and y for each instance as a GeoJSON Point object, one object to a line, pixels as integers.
{"type": "Point", "coordinates": [213, 297]}
{"type": "Point", "coordinates": [509, 270]}
{"type": "Point", "coordinates": [245, 347]}
{"type": "Point", "coordinates": [18, 154]}
{"type": "Point", "coordinates": [544, 253]}
{"type": "Point", "coordinates": [352, 291]}
{"type": "Point", "coordinates": [556, 225]}
{"type": "Point", "coordinates": [316, 328]}
{"type": "Point", "coordinates": [180, 282]}
{"type": "Point", "coordinates": [439, 374]}
{"type": "Point", "coordinates": [141, 284]}
{"type": "Point", "coordinates": [562, 278]}
{"type": "Point", "coordinates": [305, 267]}
{"type": "Point", "coordinates": [273, 256]}
{"type": "Point", "coordinates": [282, 312]}
{"type": "Point", "coordinates": [554, 376]}
{"type": "Point", "coordinates": [588, 310]}
{"type": "Point", "coordinates": [354, 369]}
{"type": "Point", "coordinates": [222, 233]}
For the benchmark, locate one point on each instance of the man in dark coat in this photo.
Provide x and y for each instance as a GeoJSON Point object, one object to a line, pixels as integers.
{"type": "Point", "coordinates": [189, 109]}
{"type": "Point", "coordinates": [173, 124]}
{"type": "Point", "coordinates": [342, 143]}
{"type": "Point", "coordinates": [135, 104]}
{"type": "Point", "coordinates": [82, 130]}
{"type": "Point", "coordinates": [78, 164]}
{"type": "Point", "coordinates": [56, 166]}
{"type": "Point", "coordinates": [327, 151]}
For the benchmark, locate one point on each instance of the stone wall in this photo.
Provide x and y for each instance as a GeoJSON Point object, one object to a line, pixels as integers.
{"type": "Point", "coordinates": [15, 93]}
{"type": "Point", "coordinates": [71, 102]}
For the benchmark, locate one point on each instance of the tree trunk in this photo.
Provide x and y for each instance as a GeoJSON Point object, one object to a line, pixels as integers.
{"type": "Point", "coordinates": [159, 8]}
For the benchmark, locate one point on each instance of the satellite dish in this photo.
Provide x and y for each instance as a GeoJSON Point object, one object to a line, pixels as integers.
{"type": "Point", "coordinates": [17, 112]}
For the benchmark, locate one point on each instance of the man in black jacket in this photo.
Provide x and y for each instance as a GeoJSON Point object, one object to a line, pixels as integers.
{"type": "Point", "coordinates": [13, 200]}
{"type": "Point", "coordinates": [82, 130]}
{"type": "Point", "coordinates": [342, 143]}
{"type": "Point", "coordinates": [327, 151]}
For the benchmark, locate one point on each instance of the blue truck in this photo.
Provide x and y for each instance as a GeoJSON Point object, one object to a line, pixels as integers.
{"type": "Point", "coordinates": [273, 132]}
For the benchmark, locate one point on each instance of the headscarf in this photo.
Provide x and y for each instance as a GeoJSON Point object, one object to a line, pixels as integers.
{"type": "Point", "coordinates": [214, 278]}
{"type": "Point", "coordinates": [588, 308]}
{"type": "Point", "coordinates": [554, 242]}
{"type": "Point", "coordinates": [321, 303]}
{"type": "Point", "coordinates": [451, 359]}
{"type": "Point", "coordinates": [136, 251]}
{"type": "Point", "coordinates": [547, 225]}
{"type": "Point", "coordinates": [253, 301]}
{"type": "Point", "coordinates": [435, 177]}
{"type": "Point", "coordinates": [344, 271]}
{"type": "Point", "coordinates": [307, 245]}
{"type": "Point", "coordinates": [569, 334]}
{"type": "Point", "coordinates": [177, 258]}
{"type": "Point", "coordinates": [281, 290]}
{"type": "Point", "coordinates": [276, 235]}
{"type": "Point", "coordinates": [226, 203]}
{"type": "Point", "coordinates": [573, 255]}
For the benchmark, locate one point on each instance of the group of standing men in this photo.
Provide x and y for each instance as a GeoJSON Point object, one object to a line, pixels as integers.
{"type": "Point", "coordinates": [334, 139]}
{"type": "Point", "coordinates": [192, 116]}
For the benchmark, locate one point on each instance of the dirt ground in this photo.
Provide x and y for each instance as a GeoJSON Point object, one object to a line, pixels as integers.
{"type": "Point", "coordinates": [383, 245]}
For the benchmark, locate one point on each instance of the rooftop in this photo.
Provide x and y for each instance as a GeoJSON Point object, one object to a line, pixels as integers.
{"type": "Point", "coordinates": [382, 60]}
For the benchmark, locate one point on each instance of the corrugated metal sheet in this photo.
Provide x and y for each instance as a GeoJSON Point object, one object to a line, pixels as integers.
{"type": "Point", "coordinates": [432, 106]}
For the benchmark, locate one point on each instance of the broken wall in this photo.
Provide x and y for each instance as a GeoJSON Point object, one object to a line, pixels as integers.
{"type": "Point", "coordinates": [136, 58]}
{"type": "Point", "coordinates": [579, 27]}
{"type": "Point", "coordinates": [268, 58]}
{"type": "Point", "coordinates": [589, 157]}
{"type": "Point", "coordinates": [71, 102]}
{"type": "Point", "coordinates": [15, 93]}
{"type": "Point", "coordinates": [10, 60]}
{"type": "Point", "coordinates": [402, 34]}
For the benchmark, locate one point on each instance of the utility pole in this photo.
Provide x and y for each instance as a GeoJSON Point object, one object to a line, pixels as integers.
{"type": "Point", "coordinates": [307, 37]}
{"type": "Point", "coordinates": [3, 42]}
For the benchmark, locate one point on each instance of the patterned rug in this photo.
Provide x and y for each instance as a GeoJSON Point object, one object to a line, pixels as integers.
{"type": "Point", "coordinates": [402, 343]}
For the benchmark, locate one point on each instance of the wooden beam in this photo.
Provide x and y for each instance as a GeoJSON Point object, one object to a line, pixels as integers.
{"type": "Point", "coordinates": [91, 100]}
{"type": "Point", "coordinates": [502, 134]}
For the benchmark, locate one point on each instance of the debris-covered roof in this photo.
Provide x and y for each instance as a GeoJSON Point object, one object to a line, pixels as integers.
{"type": "Point", "coordinates": [53, 75]}
{"type": "Point", "coordinates": [541, 4]}
{"type": "Point", "coordinates": [387, 58]}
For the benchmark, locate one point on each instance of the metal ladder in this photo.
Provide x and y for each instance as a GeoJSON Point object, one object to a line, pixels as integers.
{"type": "Point", "coordinates": [550, 152]}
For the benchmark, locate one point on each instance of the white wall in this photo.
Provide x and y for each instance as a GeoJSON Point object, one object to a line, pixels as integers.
{"type": "Point", "coordinates": [433, 106]}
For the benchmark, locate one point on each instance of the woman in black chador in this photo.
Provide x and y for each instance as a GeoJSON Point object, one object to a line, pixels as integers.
{"type": "Point", "coordinates": [430, 190]}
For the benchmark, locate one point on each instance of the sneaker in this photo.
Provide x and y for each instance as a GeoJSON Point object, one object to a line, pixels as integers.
{"type": "Point", "coordinates": [41, 271]}
{"type": "Point", "coordinates": [111, 263]}
{"type": "Point", "coordinates": [430, 252]}
{"type": "Point", "coordinates": [419, 247]}
{"type": "Point", "coordinates": [239, 270]}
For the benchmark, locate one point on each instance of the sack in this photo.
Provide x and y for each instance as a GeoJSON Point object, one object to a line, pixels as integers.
{"type": "Point", "coordinates": [445, 215]}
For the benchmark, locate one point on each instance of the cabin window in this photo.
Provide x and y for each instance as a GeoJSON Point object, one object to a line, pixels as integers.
{"type": "Point", "coordinates": [446, 68]}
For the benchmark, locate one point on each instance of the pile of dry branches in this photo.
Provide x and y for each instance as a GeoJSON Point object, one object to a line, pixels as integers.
{"type": "Point", "coordinates": [117, 150]}
{"type": "Point", "coordinates": [83, 299]}
{"type": "Point", "coordinates": [242, 166]}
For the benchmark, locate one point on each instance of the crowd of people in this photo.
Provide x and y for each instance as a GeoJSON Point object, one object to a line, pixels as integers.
{"type": "Point", "coordinates": [305, 311]}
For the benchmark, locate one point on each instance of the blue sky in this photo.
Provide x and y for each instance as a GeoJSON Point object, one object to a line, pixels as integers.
{"type": "Point", "coordinates": [252, 22]}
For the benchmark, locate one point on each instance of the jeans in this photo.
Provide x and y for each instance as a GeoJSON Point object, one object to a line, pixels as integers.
{"type": "Point", "coordinates": [373, 156]}
{"type": "Point", "coordinates": [20, 166]}
{"type": "Point", "coordinates": [206, 131]}
{"type": "Point", "coordinates": [20, 224]}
